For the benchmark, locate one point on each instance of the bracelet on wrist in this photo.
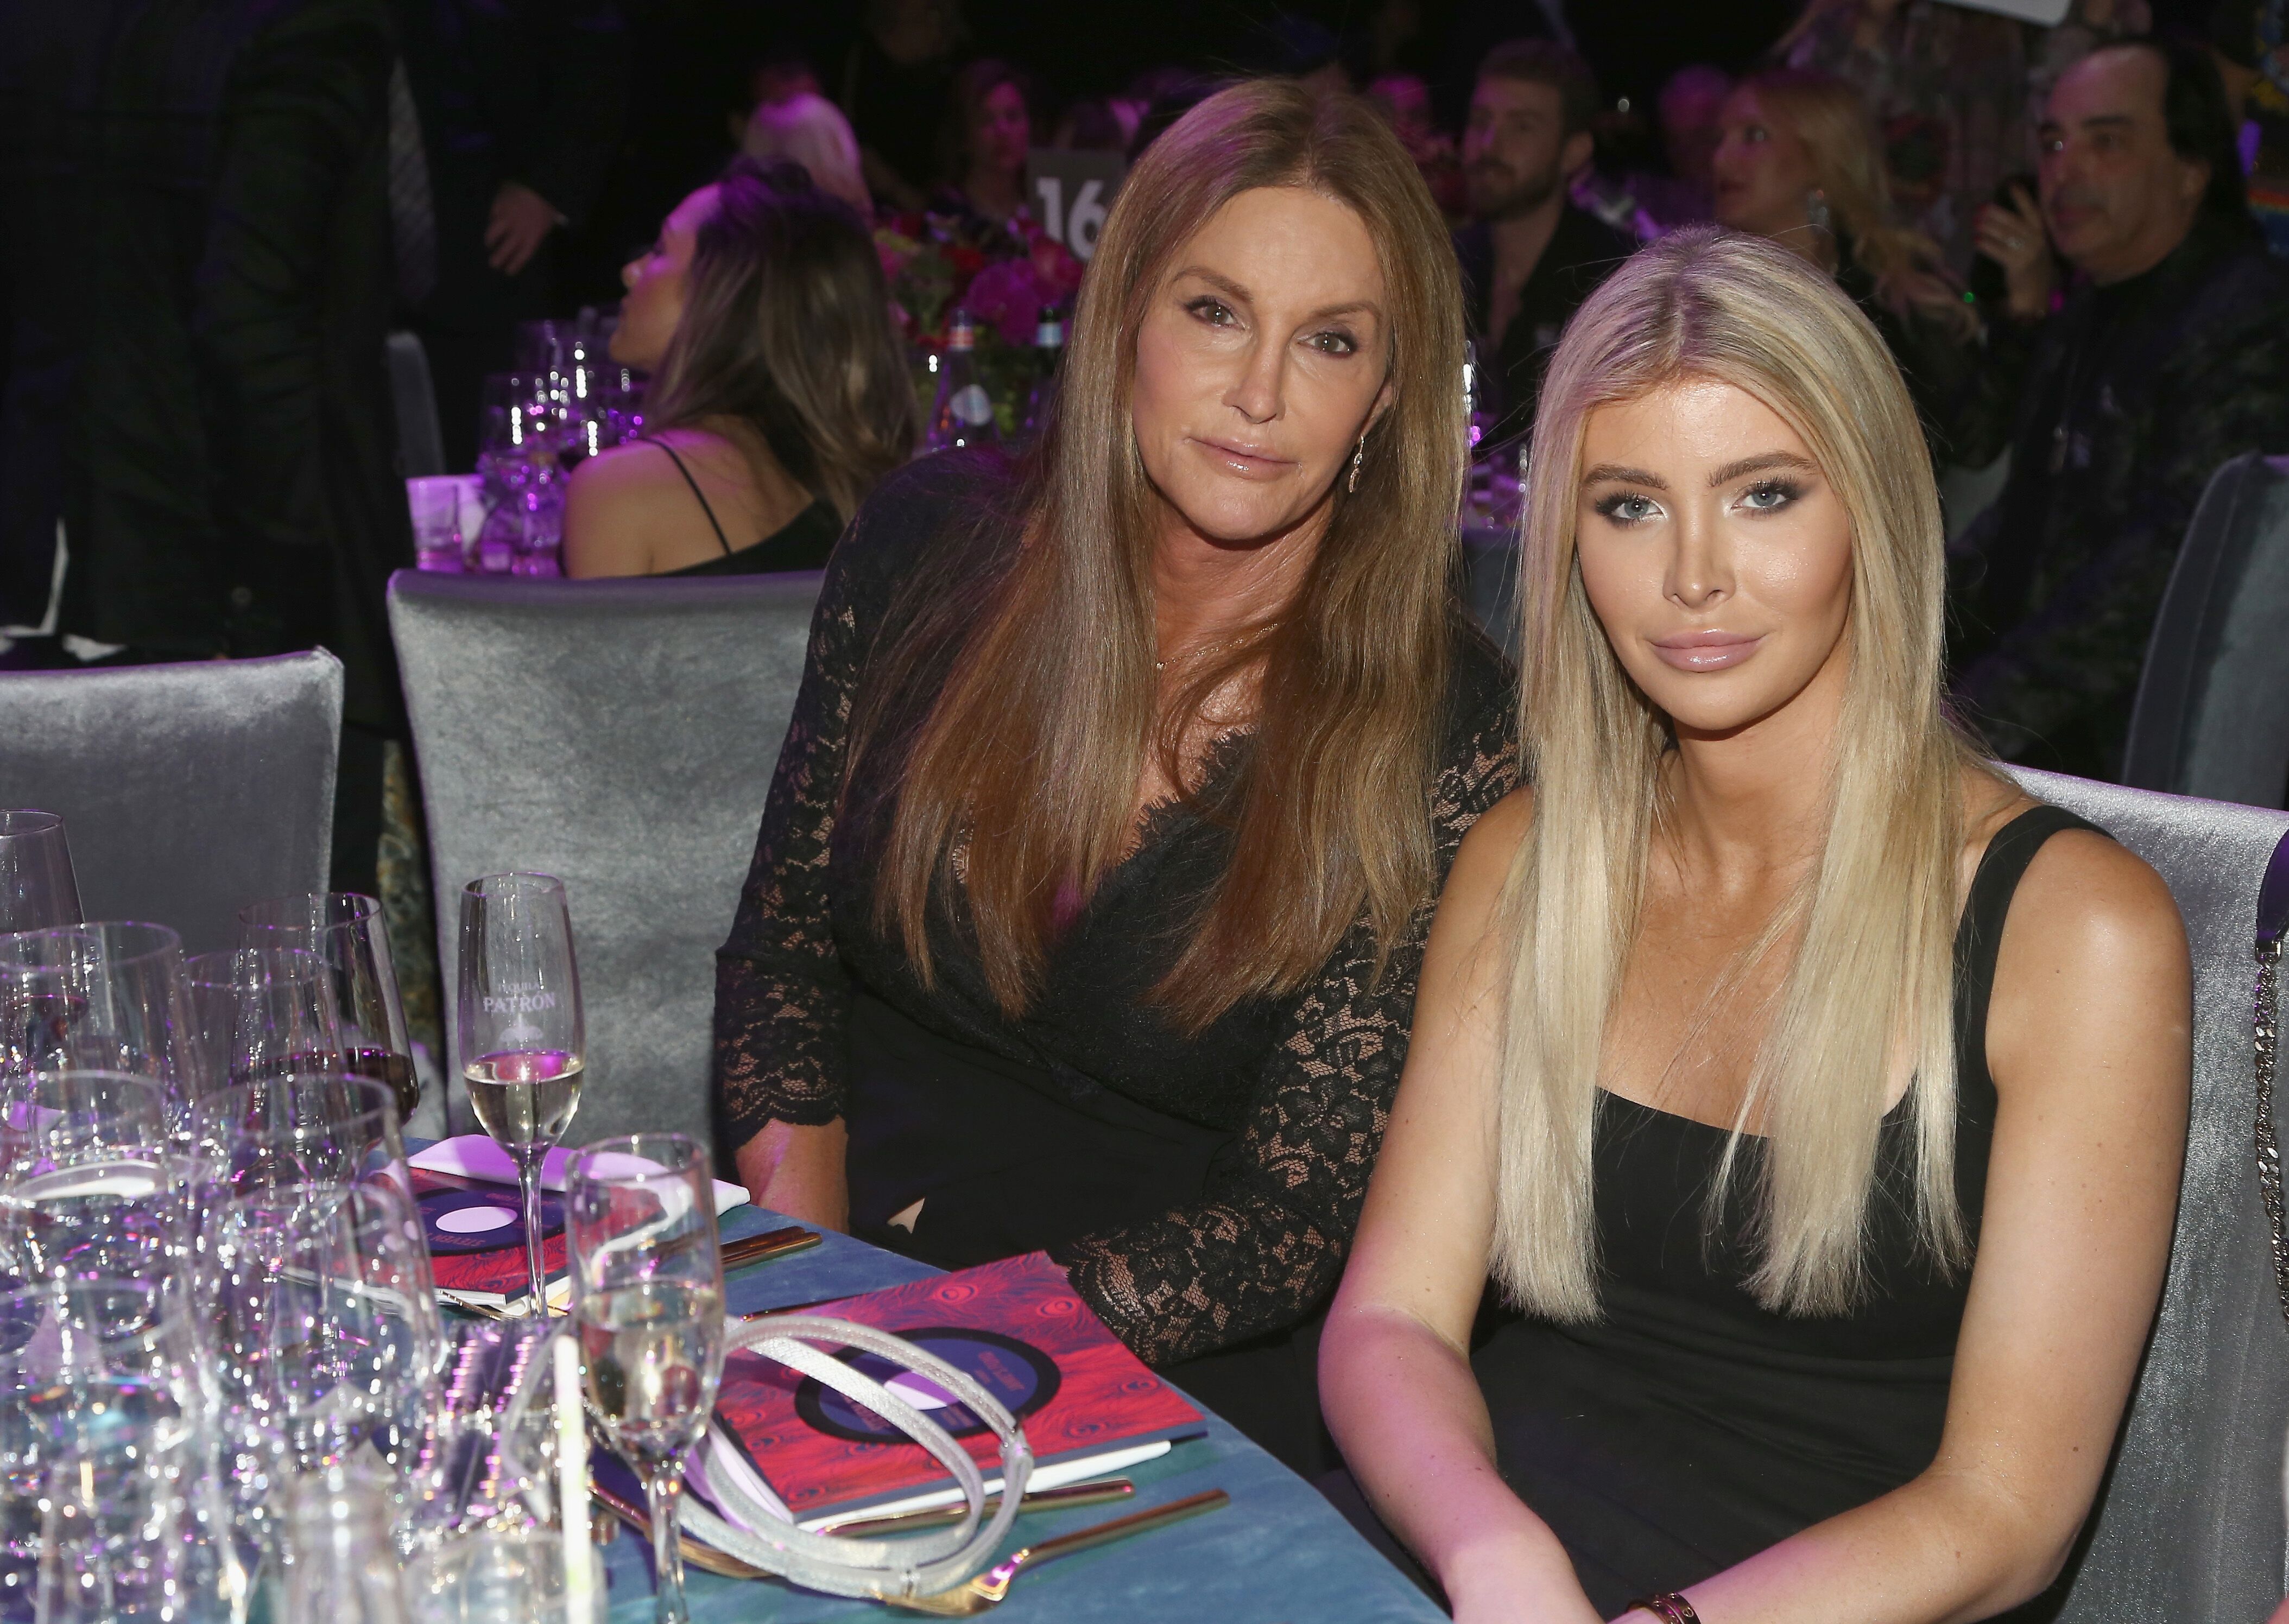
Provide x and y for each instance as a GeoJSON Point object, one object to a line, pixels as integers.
{"type": "Point", "coordinates": [1670, 1607]}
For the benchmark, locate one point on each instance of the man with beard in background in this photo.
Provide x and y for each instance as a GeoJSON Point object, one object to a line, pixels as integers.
{"type": "Point", "coordinates": [1529, 256]}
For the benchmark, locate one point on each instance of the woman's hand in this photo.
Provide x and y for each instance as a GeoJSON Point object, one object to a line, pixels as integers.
{"type": "Point", "coordinates": [799, 1171]}
{"type": "Point", "coordinates": [2014, 238]}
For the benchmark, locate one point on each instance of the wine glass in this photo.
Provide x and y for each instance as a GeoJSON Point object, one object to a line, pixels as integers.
{"type": "Point", "coordinates": [263, 1012]}
{"type": "Point", "coordinates": [648, 1303]}
{"type": "Point", "coordinates": [315, 1129]}
{"type": "Point", "coordinates": [47, 985]}
{"type": "Point", "coordinates": [37, 887]}
{"type": "Point", "coordinates": [320, 1317]}
{"type": "Point", "coordinates": [522, 1047]}
{"type": "Point", "coordinates": [137, 1528]}
{"type": "Point", "coordinates": [500, 1574]}
{"type": "Point", "coordinates": [81, 1362]}
{"type": "Point", "coordinates": [347, 932]}
{"type": "Point", "coordinates": [82, 1189]}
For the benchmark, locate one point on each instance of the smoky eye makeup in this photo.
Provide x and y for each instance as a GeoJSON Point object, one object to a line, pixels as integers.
{"type": "Point", "coordinates": [1625, 508]}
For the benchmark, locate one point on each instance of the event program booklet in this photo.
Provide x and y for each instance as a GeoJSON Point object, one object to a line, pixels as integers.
{"type": "Point", "coordinates": [1088, 1405]}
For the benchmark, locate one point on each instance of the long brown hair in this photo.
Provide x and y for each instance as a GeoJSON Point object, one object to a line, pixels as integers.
{"type": "Point", "coordinates": [1030, 759]}
{"type": "Point", "coordinates": [786, 324]}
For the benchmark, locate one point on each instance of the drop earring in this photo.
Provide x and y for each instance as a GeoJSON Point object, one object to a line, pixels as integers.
{"type": "Point", "coordinates": [1351, 488]}
{"type": "Point", "coordinates": [1815, 212]}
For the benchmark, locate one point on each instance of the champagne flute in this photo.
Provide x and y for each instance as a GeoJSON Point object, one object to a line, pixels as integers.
{"type": "Point", "coordinates": [522, 1047]}
{"type": "Point", "coordinates": [647, 1300]}
{"type": "Point", "coordinates": [37, 887]}
{"type": "Point", "coordinates": [347, 932]}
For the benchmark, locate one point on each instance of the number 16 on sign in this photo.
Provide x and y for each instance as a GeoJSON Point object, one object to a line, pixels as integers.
{"type": "Point", "coordinates": [1071, 193]}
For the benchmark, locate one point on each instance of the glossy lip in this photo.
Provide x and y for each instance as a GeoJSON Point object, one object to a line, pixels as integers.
{"type": "Point", "coordinates": [1710, 650]}
{"type": "Point", "coordinates": [1241, 460]}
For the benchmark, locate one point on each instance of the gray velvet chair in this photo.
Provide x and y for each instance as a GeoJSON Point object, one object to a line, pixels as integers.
{"type": "Point", "coordinates": [2190, 1528]}
{"type": "Point", "coordinates": [619, 735]}
{"type": "Point", "coordinates": [188, 791]}
{"type": "Point", "coordinates": [2212, 715]}
{"type": "Point", "coordinates": [1489, 584]}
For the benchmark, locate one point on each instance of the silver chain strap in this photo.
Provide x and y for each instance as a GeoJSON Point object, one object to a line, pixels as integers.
{"type": "Point", "coordinates": [2268, 1150]}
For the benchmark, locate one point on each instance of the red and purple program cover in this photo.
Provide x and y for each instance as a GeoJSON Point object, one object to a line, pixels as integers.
{"type": "Point", "coordinates": [1015, 1325]}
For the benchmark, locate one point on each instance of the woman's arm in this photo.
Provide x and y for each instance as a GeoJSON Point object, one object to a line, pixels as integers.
{"type": "Point", "coordinates": [1265, 1243]}
{"type": "Point", "coordinates": [781, 993]}
{"type": "Point", "coordinates": [2088, 1038]}
{"type": "Point", "coordinates": [1394, 1368]}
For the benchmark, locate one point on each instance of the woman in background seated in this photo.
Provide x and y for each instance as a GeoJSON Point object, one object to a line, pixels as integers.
{"type": "Point", "coordinates": [1087, 903]}
{"type": "Point", "coordinates": [988, 128]}
{"type": "Point", "coordinates": [778, 393]}
{"type": "Point", "coordinates": [1818, 1096]}
{"type": "Point", "coordinates": [1798, 161]}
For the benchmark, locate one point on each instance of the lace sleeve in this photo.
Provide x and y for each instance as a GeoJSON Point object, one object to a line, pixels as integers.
{"type": "Point", "coordinates": [781, 993]}
{"type": "Point", "coordinates": [1269, 1239]}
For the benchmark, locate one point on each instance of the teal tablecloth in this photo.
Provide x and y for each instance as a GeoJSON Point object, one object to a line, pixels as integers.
{"type": "Point", "coordinates": [1279, 1552]}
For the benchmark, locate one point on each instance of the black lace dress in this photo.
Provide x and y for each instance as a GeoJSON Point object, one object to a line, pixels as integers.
{"type": "Point", "coordinates": [1201, 1190]}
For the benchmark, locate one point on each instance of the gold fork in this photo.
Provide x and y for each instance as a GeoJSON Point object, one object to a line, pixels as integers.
{"type": "Point", "coordinates": [989, 1587]}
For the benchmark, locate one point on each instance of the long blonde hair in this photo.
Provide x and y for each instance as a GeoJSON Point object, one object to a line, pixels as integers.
{"type": "Point", "coordinates": [1873, 924]}
{"type": "Point", "coordinates": [1030, 758]}
{"type": "Point", "coordinates": [1831, 117]}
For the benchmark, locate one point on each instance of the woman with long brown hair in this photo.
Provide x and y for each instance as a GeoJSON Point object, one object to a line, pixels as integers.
{"type": "Point", "coordinates": [1088, 903]}
{"type": "Point", "coordinates": [1786, 1065]}
{"type": "Point", "coordinates": [780, 392]}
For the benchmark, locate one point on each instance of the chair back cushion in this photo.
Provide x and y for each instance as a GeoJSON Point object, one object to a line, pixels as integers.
{"type": "Point", "coordinates": [2189, 1526]}
{"type": "Point", "coordinates": [2212, 716]}
{"type": "Point", "coordinates": [619, 735]}
{"type": "Point", "coordinates": [187, 791]}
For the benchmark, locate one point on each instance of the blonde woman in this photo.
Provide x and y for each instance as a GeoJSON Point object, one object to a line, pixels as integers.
{"type": "Point", "coordinates": [1088, 901]}
{"type": "Point", "coordinates": [1799, 161]}
{"type": "Point", "coordinates": [1818, 1098]}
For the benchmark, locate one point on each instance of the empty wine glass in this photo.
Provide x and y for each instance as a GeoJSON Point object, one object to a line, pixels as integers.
{"type": "Point", "coordinates": [37, 887]}
{"type": "Point", "coordinates": [523, 1046]}
{"type": "Point", "coordinates": [137, 1530]}
{"type": "Point", "coordinates": [48, 980]}
{"type": "Point", "coordinates": [83, 1187]}
{"type": "Point", "coordinates": [501, 1573]}
{"type": "Point", "coordinates": [648, 1302]}
{"type": "Point", "coordinates": [319, 1129]}
{"type": "Point", "coordinates": [348, 932]}
{"type": "Point", "coordinates": [83, 1363]}
{"type": "Point", "coordinates": [320, 1317]}
{"type": "Point", "coordinates": [263, 1012]}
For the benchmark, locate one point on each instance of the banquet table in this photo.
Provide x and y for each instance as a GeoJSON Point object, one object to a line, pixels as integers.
{"type": "Point", "coordinates": [1279, 1552]}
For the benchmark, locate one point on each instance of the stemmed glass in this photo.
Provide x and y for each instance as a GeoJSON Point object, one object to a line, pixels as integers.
{"type": "Point", "coordinates": [318, 1130]}
{"type": "Point", "coordinates": [82, 1188]}
{"type": "Point", "coordinates": [37, 887]}
{"type": "Point", "coordinates": [263, 1012]}
{"type": "Point", "coordinates": [523, 1046]}
{"type": "Point", "coordinates": [109, 995]}
{"type": "Point", "coordinates": [648, 1302]}
{"type": "Point", "coordinates": [347, 932]}
{"type": "Point", "coordinates": [320, 1315]}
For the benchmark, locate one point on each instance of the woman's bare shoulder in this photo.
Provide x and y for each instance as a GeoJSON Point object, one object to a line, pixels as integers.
{"type": "Point", "coordinates": [1483, 864]}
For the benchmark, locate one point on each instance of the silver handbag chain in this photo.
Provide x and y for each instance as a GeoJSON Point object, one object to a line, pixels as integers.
{"type": "Point", "coordinates": [2268, 1150]}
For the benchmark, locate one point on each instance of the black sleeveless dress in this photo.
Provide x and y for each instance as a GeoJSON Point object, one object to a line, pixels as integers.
{"type": "Point", "coordinates": [802, 543]}
{"type": "Point", "coordinates": [1691, 1428]}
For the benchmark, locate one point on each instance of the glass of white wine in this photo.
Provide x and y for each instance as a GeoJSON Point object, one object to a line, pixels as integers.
{"type": "Point", "coordinates": [522, 1047]}
{"type": "Point", "coordinates": [648, 1302]}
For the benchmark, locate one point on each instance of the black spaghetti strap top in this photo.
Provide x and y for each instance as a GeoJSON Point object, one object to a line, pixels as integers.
{"type": "Point", "coordinates": [802, 543]}
{"type": "Point", "coordinates": [1691, 1428]}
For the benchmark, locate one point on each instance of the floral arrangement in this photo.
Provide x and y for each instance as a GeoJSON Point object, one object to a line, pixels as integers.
{"type": "Point", "coordinates": [1002, 275]}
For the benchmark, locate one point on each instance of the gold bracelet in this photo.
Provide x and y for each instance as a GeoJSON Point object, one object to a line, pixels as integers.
{"type": "Point", "coordinates": [1670, 1607]}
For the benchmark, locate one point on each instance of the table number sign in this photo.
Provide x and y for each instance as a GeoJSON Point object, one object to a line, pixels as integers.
{"type": "Point", "coordinates": [1071, 191]}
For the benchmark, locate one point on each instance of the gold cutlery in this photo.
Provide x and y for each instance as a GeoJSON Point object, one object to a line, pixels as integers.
{"type": "Point", "coordinates": [990, 1586]}
{"type": "Point", "coordinates": [771, 1243]}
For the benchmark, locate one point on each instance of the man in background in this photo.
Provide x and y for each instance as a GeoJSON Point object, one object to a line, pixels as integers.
{"type": "Point", "coordinates": [1529, 256]}
{"type": "Point", "coordinates": [515, 107]}
{"type": "Point", "coordinates": [197, 450]}
{"type": "Point", "coordinates": [2170, 357]}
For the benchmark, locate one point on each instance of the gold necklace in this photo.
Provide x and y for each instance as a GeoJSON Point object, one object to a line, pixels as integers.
{"type": "Point", "coordinates": [1230, 642]}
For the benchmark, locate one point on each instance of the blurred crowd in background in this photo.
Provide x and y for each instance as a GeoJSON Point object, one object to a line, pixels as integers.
{"type": "Point", "coordinates": [2068, 232]}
